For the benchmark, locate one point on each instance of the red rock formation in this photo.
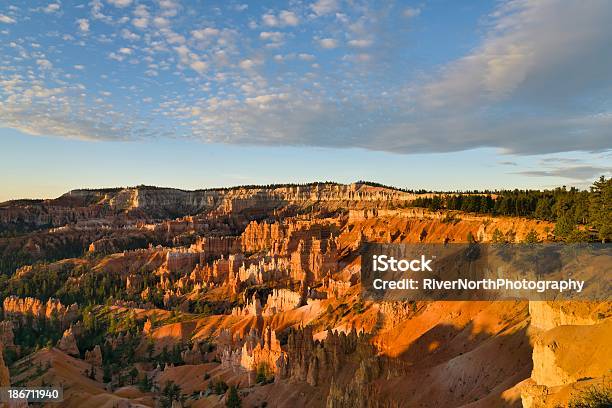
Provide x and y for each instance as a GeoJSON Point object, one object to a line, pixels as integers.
{"type": "Point", "coordinates": [256, 353]}
{"type": "Point", "coordinates": [282, 300]}
{"type": "Point", "coordinates": [215, 247]}
{"type": "Point", "coordinates": [19, 308]}
{"type": "Point", "coordinates": [94, 356]}
{"type": "Point", "coordinates": [68, 343]}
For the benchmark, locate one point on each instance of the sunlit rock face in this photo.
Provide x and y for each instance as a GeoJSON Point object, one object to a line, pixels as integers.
{"type": "Point", "coordinates": [570, 350]}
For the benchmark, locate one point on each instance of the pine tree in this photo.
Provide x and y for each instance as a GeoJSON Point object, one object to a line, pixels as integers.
{"type": "Point", "coordinates": [233, 399]}
{"type": "Point", "coordinates": [600, 208]}
{"type": "Point", "coordinates": [564, 227]}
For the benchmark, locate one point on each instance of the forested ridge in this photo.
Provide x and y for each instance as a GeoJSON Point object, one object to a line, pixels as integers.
{"type": "Point", "coordinates": [579, 214]}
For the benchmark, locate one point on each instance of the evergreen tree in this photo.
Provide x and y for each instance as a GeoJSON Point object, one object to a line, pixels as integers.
{"type": "Point", "coordinates": [107, 376]}
{"type": "Point", "coordinates": [565, 227]}
{"type": "Point", "coordinates": [233, 399]}
{"type": "Point", "coordinates": [543, 209]}
{"type": "Point", "coordinates": [600, 208]}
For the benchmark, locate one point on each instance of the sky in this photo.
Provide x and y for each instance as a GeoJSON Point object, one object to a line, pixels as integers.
{"type": "Point", "coordinates": [441, 95]}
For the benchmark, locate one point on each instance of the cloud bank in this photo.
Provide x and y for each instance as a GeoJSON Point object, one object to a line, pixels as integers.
{"type": "Point", "coordinates": [319, 74]}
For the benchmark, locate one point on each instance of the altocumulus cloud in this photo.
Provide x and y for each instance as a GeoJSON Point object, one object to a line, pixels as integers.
{"type": "Point", "coordinates": [539, 80]}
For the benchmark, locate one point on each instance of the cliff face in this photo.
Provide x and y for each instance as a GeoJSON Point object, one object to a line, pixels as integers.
{"type": "Point", "coordinates": [571, 350]}
{"type": "Point", "coordinates": [419, 225]}
{"type": "Point", "coordinates": [80, 205]}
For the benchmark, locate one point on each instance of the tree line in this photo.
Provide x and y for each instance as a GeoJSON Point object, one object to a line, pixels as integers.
{"type": "Point", "coordinates": [568, 208]}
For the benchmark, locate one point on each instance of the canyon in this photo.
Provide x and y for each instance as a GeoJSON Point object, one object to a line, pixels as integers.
{"type": "Point", "coordinates": [257, 289]}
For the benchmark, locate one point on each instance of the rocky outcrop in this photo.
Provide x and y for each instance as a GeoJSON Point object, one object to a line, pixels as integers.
{"type": "Point", "coordinates": [548, 315]}
{"type": "Point", "coordinates": [282, 300]}
{"type": "Point", "coordinates": [310, 245]}
{"type": "Point", "coordinates": [251, 308]}
{"type": "Point", "coordinates": [94, 356]}
{"type": "Point", "coordinates": [262, 236]}
{"type": "Point", "coordinates": [419, 225]}
{"type": "Point", "coordinates": [20, 308]}
{"type": "Point", "coordinates": [313, 361]}
{"type": "Point", "coordinates": [68, 343]}
{"type": "Point", "coordinates": [215, 247]}
{"type": "Point", "coordinates": [571, 345]}
{"type": "Point", "coordinates": [256, 353]}
{"type": "Point", "coordinates": [564, 355]}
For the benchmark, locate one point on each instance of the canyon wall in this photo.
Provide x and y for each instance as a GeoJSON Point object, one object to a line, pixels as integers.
{"type": "Point", "coordinates": [153, 202]}
{"type": "Point", "coordinates": [571, 351]}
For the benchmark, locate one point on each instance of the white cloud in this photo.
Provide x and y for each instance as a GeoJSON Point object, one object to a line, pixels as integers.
{"type": "Point", "coordinates": [116, 57]}
{"type": "Point", "coordinates": [52, 8]}
{"type": "Point", "coordinates": [39, 110]}
{"type": "Point", "coordinates": [306, 57]}
{"type": "Point", "coordinates": [140, 22]}
{"type": "Point", "coordinates": [83, 24]}
{"type": "Point", "coordinates": [44, 63]}
{"type": "Point", "coordinates": [168, 4]}
{"type": "Point", "coordinates": [96, 11]}
{"type": "Point", "coordinates": [199, 66]}
{"type": "Point", "coordinates": [6, 19]}
{"type": "Point", "coordinates": [263, 101]}
{"type": "Point", "coordinates": [288, 18]}
{"type": "Point", "coordinates": [128, 35]}
{"type": "Point", "coordinates": [161, 22]}
{"type": "Point", "coordinates": [125, 51]}
{"type": "Point", "coordinates": [184, 54]}
{"type": "Point", "coordinates": [283, 19]}
{"type": "Point", "coordinates": [360, 43]}
{"type": "Point", "coordinates": [328, 43]}
{"type": "Point", "coordinates": [204, 33]}
{"type": "Point", "coordinates": [141, 14]}
{"type": "Point", "coordinates": [411, 12]}
{"type": "Point", "coordinates": [172, 37]}
{"type": "Point", "coordinates": [270, 20]}
{"type": "Point", "coordinates": [248, 64]}
{"type": "Point", "coordinates": [141, 11]}
{"type": "Point", "coordinates": [361, 57]}
{"type": "Point", "coordinates": [79, 67]}
{"type": "Point", "coordinates": [322, 7]}
{"type": "Point", "coordinates": [120, 3]}
{"type": "Point", "coordinates": [274, 36]}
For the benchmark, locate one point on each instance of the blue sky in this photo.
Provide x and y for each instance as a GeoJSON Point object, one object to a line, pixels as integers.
{"type": "Point", "coordinates": [430, 94]}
